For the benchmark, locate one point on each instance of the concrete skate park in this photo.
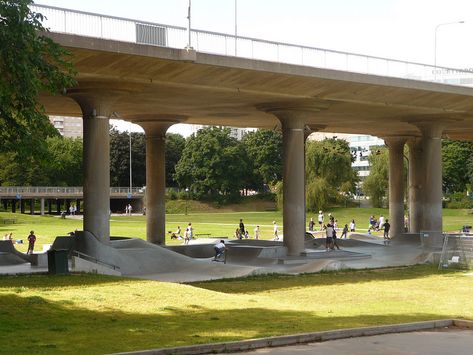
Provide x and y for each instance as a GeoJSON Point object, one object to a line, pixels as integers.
{"type": "Point", "coordinates": [156, 87]}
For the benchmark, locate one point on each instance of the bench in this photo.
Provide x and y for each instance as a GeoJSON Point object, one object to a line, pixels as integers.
{"type": "Point", "coordinates": [8, 220]}
{"type": "Point", "coordinates": [203, 235]}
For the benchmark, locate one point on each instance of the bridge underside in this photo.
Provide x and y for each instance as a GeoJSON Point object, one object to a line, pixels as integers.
{"type": "Point", "coordinates": [157, 87]}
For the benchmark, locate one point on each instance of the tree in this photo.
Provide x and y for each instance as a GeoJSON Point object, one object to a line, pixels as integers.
{"type": "Point", "coordinates": [264, 151]}
{"type": "Point", "coordinates": [61, 165]}
{"type": "Point", "coordinates": [330, 177]}
{"type": "Point", "coordinates": [376, 183]}
{"type": "Point", "coordinates": [212, 164]}
{"type": "Point", "coordinates": [65, 165]}
{"type": "Point", "coordinates": [175, 144]}
{"type": "Point", "coordinates": [120, 158]}
{"type": "Point", "coordinates": [455, 171]}
{"type": "Point", "coordinates": [30, 64]}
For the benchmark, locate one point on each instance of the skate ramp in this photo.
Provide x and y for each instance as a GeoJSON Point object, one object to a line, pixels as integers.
{"type": "Point", "coordinates": [7, 247]}
{"type": "Point", "coordinates": [10, 259]}
{"type": "Point", "coordinates": [138, 258]}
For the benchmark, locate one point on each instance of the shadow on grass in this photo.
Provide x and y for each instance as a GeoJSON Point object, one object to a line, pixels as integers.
{"type": "Point", "coordinates": [35, 325]}
{"type": "Point", "coordinates": [277, 281]}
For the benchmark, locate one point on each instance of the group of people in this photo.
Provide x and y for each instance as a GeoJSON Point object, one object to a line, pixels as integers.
{"type": "Point", "coordinates": [188, 233]}
{"type": "Point", "coordinates": [242, 233]}
{"type": "Point", "coordinates": [128, 209]}
{"type": "Point", "coordinates": [331, 228]}
{"type": "Point", "coordinates": [31, 240]}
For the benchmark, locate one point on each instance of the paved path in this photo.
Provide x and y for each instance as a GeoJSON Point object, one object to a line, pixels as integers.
{"type": "Point", "coordinates": [443, 342]}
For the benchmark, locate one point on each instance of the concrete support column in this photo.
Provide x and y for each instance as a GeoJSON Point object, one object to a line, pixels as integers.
{"type": "Point", "coordinates": [58, 206]}
{"type": "Point", "coordinates": [416, 184]}
{"type": "Point", "coordinates": [396, 184]}
{"type": "Point", "coordinates": [22, 206]}
{"type": "Point", "coordinates": [41, 208]}
{"type": "Point", "coordinates": [96, 106]}
{"type": "Point", "coordinates": [155, 132]}
{"type": "Point", "coordinates": [13, 206]}
{"type": "Point", "coordinates": [432, 171]}
{"type": "Point", "coordinates": [293, 116]}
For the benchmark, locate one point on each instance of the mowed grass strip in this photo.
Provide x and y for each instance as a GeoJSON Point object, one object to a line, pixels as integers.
{"type": "Point", "coordinates": [95, 314]}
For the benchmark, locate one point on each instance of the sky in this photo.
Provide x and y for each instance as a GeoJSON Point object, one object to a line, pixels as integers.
{"type": "Point", "coordinates": [395, 29]}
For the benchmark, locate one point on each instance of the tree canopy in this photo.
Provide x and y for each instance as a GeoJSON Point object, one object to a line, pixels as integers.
{"type": "Point", "coordinates": [212, 164]}
{"type": "Point", "coordinates": [120, 158]}
{"type": "Point", "coordinates": [264, 151]}
{"type": "Point", "coordinates": [175, 144]}
{"type": "Point", "coordinates": [376, 184]}
{"type": "Point", "coordinates": [30, 64]}
{"type": "Point", "coordinates": [329, 175]}
{"type": "Point", "coordinates": [455, 166]}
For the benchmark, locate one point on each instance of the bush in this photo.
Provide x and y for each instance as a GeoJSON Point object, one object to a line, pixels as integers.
{"type": "Point", "coordinates": [459, 200]}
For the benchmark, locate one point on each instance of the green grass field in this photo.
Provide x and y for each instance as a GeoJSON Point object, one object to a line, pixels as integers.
{"type": "Point", "coordinates": [93, 314]}
{"type": "Point", "coordinates": [213, 222]}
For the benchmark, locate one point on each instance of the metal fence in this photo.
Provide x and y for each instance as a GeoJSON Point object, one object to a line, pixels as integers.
{"type": "Point", "coordinates": [122, 29]}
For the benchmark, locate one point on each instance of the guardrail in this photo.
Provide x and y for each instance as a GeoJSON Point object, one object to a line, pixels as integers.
{"type": "Point", "coordinates": [122, 29]}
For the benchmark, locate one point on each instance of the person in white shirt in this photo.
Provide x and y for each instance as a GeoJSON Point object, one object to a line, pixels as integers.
{"type": "Point", "coordinates": [320, 218]}
{"type": "Point", "coordinates": [219, 249]}
{"type": "Point", "coordinates": [257, 232]}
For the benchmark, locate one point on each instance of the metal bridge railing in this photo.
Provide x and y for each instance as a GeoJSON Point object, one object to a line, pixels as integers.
{"type": "Point", "coordinates": [116, 28]}
{"type": "Point", "coordinates": [49, 190]}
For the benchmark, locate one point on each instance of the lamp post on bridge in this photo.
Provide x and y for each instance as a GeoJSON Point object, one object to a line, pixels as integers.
{"type": "Point", "coordinates": [435, 44]}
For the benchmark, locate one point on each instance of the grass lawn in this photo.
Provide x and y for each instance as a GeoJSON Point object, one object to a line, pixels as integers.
{"type": "Point", "coordinates": [93, 314]}
{"type": "Point", "coordinates": [218, 224]}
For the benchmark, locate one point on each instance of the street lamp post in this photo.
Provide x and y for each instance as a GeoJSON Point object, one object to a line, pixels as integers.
{"type": "Point", "coordinates": [435, 44]}
{"type": "Point", "coordinates": [131, 181]}
{"type": "Point", "coordinates": [187, 198]}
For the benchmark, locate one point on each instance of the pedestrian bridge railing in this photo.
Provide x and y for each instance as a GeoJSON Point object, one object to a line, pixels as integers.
{"type": "Point", "coordinates": [45, 191]}
{"type": "Point", "coordinates": [116, 28]}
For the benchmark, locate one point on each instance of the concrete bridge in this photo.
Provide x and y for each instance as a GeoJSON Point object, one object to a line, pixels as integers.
{"type": "Point", "coordinates": [62, 197]}
{"type": "Point", "coordinates": [157, 87]}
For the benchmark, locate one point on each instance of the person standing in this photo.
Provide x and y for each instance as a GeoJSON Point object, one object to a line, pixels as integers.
{"type": "Point", "coordinates": [31, 241]}
{"type": "Point", "coordinates": [242, 227]}
{"type": "Point", "coordinates": [328, 237]}
{"type": "Point", "coordinates": [344, 232]}
{"type": "Point", "coordinates": [275, 231]}
{"type": "Point", "coordinates": [387, 227]}
{"type": "Point", "coordinates": [320, 219]}
{"type": "Point", "coordinates": [311, 225]}
{"type": "Point", "coordinates": [257, 232]}
{"type": "Point", "coordinates": [352, 225]}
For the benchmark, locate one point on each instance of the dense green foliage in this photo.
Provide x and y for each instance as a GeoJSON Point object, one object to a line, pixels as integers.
{"type": "Point", "coordinates": [59, 165]}
{"type": "Point", "coordinates": [330, 177]}
{"type": "Point", "coordinates": [456, 156]}
{"type": "Point", "coordinates": [120, 158]}
{"type": "Point", "coordinates": [212, 165]}
{"type": "Point", "coordinates": [175, 144]}
{"type": "Point", "coordinates": [375, 185]}
{"type": "Point", "coordinates": [264, 152]}
{"type": "Point", "coordinates": [30, 64]}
